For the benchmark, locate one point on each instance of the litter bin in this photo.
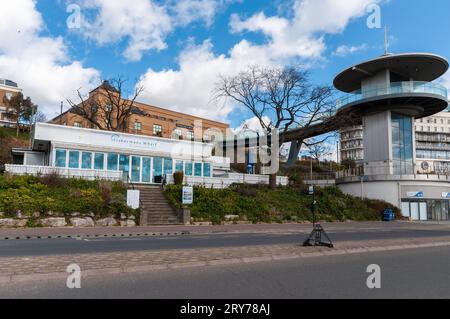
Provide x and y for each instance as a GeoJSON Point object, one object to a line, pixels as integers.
{"type": "Point", "coordinates": [389, 215]}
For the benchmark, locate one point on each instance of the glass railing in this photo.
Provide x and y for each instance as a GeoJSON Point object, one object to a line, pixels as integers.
{"type": "Point", "coordinates": [393, 88]}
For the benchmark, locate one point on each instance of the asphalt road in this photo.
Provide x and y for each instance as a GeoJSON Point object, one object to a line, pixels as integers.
{"type": "Point", "coordinates": [419, 273]}
{"type": "Point", "coordinates": [37, 247]}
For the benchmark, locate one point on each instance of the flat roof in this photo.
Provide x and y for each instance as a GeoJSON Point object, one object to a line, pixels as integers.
{"type": "Point", "coordinates": [425, 67]}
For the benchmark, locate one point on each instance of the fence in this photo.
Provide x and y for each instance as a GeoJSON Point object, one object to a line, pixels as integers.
{"type": "Point", "coordinates": [89, 174]}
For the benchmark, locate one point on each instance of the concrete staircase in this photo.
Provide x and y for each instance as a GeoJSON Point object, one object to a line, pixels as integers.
{"type": "Point", "coordinates": [155, 210]}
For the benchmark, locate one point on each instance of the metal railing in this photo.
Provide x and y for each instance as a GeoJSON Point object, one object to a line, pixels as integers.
{"type": "Point", "coordinates": [410, 87]}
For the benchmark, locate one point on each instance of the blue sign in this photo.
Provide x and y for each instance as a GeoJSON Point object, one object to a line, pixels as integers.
{"type": "Point", "coordinates": [446, 195]}
{"type": "Point", "coordinates": [415, 194]}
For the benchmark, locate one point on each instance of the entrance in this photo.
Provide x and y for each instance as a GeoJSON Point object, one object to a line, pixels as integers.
{"type": "Point", "coordinates": [415, 210]}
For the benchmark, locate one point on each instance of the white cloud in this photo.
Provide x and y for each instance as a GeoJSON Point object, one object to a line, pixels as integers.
{"type": "Point", "coordinates": [300, 38]}
{"type": "Point", "coordinates": [143, 23]}
{"type": "Point", "coordinates": [40, 65]}
{"type": "Point", "coordinates": [345, 50]}
{"type": "Point", "coordinates": [252, 124]}
{"type": "Point", "coordinates": [188, 11]}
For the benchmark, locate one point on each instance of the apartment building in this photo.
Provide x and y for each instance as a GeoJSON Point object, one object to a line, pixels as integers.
{"type": "Point", "coordinates": [432, 140]}
{"type": "Point", "coordinates": [8, 89]}
{"type": "Point", "coordinates": [151, 120]}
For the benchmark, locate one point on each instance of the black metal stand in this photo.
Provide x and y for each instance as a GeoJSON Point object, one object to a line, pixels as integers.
{"type": "Point", "coordinates": [317, 238]}
{"type": "Point", "coordinates": [318, 234]}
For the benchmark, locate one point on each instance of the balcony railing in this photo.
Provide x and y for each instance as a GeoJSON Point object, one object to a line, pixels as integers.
{"type": "Point", "coordinates": [392, 89]}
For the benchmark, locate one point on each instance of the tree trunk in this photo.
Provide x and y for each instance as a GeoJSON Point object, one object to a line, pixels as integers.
{"type": "Point", "coordinates": [296, 146]}
{"type": "Point", "coordinates": [17, 129]}
{"type": "Point", "coordinates": [273, 181]}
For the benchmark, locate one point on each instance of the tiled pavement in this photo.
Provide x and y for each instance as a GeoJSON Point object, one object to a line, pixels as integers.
{"type": "Point", "coordinates": [42, 267]}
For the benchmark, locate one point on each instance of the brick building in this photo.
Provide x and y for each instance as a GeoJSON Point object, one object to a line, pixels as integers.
{"type": "Point", "coordinates": [147, 120]}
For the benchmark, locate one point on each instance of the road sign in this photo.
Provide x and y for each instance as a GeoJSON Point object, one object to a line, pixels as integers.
{"type": "Point", "coordinates": [188, 195]}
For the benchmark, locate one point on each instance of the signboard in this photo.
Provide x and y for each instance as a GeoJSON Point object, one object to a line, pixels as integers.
{"type": "Point", "coordinates": [133, 199]}
{"type": "Point", "coordinates": [415, 194]}
{"type": "Point", "coordinates": [188, 195]}
{"type": "Point", "coordinates": [446, 195]}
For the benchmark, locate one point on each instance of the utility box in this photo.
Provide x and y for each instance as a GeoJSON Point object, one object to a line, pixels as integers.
{"type": "Point", "coordinates": [133, 198]}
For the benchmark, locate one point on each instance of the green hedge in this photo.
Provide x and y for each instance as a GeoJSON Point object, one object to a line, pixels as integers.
{"type": "Point", "coordinates": [260, 204]}
{"type": "Point", "coordinates": [62, 196]}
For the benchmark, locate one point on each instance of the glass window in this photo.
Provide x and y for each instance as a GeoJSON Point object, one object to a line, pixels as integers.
{"type": "Point", "coordinates": [86, 160]}
{"type": "Point", "coordinates": [124, 165]}
{"type": "Point", "coordinates": [188, 169]}
{"type": "Point", "coordinates": [113, 164]}
{"type": "Point", "coordinates": [402, 144]}
{"type": "Point", "coordinates": [99, 160]}
{"type": "Point", "coordinates": [74, 159]}
{"type": "Point", "coordinates": [146, 169]}
{"type": "Point", "coordinates": [157, 129]}
{"type": "Point", "coordinates": [207, 169]}
{"type": "Point", "coordinates": [168, 166]}
{"type": "Point", "coordinates": [157, 169]}
{"type": "Point", "coordinates": [179, 166]}
{"type": "Point", "coordinates": [190, 135]}
{"type": "Point", "coordinates": [135, 169]}
{"type": "Point", "coordinates": [60, 158]}
{"type": "Point", "coordinates": [138, 126]}
{"type": "Point", "coordinates": [77, 124]}
{"type": "Point", "coordinates": [178, 132]}
{"type": "Point", "coordinates": [198, 169]}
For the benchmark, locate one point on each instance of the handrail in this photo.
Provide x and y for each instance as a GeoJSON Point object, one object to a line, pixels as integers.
{"type": "Point", "coordinates": [411, 87]}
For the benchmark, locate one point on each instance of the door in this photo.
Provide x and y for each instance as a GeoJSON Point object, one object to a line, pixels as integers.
{"type": "Point", "coordinates": [146, 170]}
{"type": "Point", "coordinates": [135, 169]}
{"type": "Point", "coordinates": [405, 209]}
{"type": "Point", "coordinates": [124, 166]}
{"type": "Point", "coordinates": [157, 170]}
{"type": "Point", "coordinates": [415, 211]}
{"type": "Point", "coordinates": [423, 211]}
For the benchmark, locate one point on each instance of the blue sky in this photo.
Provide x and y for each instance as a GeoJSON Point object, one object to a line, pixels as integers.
{"type": "Point", "coordinates": [177, 49]}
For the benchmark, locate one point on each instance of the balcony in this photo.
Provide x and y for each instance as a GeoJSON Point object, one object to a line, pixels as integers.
{"type": "Point", "coordinates": [396, 89]}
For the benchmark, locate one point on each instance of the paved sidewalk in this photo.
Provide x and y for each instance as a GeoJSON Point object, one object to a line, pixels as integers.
{"type": "Point", "coordinates": [28, 233]}
{"type": "Point", "coordinates": [17, 269]}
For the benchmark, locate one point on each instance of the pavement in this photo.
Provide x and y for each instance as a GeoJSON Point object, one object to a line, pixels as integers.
{"type": "Point", "coordinates": [415, 273]}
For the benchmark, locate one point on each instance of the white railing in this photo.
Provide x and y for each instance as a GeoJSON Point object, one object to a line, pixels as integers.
{"type": "Point", "coordinates": [89, 174]}
{"type": "Point", "coordinates": [228, 180]}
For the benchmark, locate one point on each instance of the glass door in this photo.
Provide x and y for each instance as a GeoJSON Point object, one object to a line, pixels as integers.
{"type": "Point", "coordinates": [135, 169]}
{"type": "Point", "coordinates": [124, 166]}
{"type": "Point", "coordinates": [157, 170]}
{"type": "Point", "coordinates": [146, 170]}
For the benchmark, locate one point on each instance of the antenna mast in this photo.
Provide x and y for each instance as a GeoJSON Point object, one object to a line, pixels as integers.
{"type": "Point", "coordinates": [386, 41]}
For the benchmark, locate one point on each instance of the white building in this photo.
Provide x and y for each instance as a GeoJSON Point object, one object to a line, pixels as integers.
{"type": "Point", "coordinates": [7, 90]}
{"type": "Point", "coordinates": [137, 159]}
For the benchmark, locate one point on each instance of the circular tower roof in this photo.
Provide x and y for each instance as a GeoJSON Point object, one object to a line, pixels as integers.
{"type": "Point", "coordinates": [418, 66]}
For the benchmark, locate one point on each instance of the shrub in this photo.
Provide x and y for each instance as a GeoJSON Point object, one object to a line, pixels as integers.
{"type": "Point", "coordinates": [257, 203]}
{"type": "Point", "coordinates": [178, 178]}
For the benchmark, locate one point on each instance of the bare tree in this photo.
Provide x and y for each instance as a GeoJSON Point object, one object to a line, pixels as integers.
{"type": "Point", "coordinates": [317, 149]}
{"type": "Point", "coordinates": [107, 108]}
{"type": "Point", "coordinates": [285, 95]}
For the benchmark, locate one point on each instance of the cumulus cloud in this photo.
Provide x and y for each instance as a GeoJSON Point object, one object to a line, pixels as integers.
{"type": "Point", "coordinates": [188, 11]}
{"type": "Point", "coordinates": [145, 24]}
{"type": "Point", "coordinates": [299, 38]}
{"type": "Point", "coordinates": [345, 50]}
{"type": "Point", "coordinates": [41, 65]}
